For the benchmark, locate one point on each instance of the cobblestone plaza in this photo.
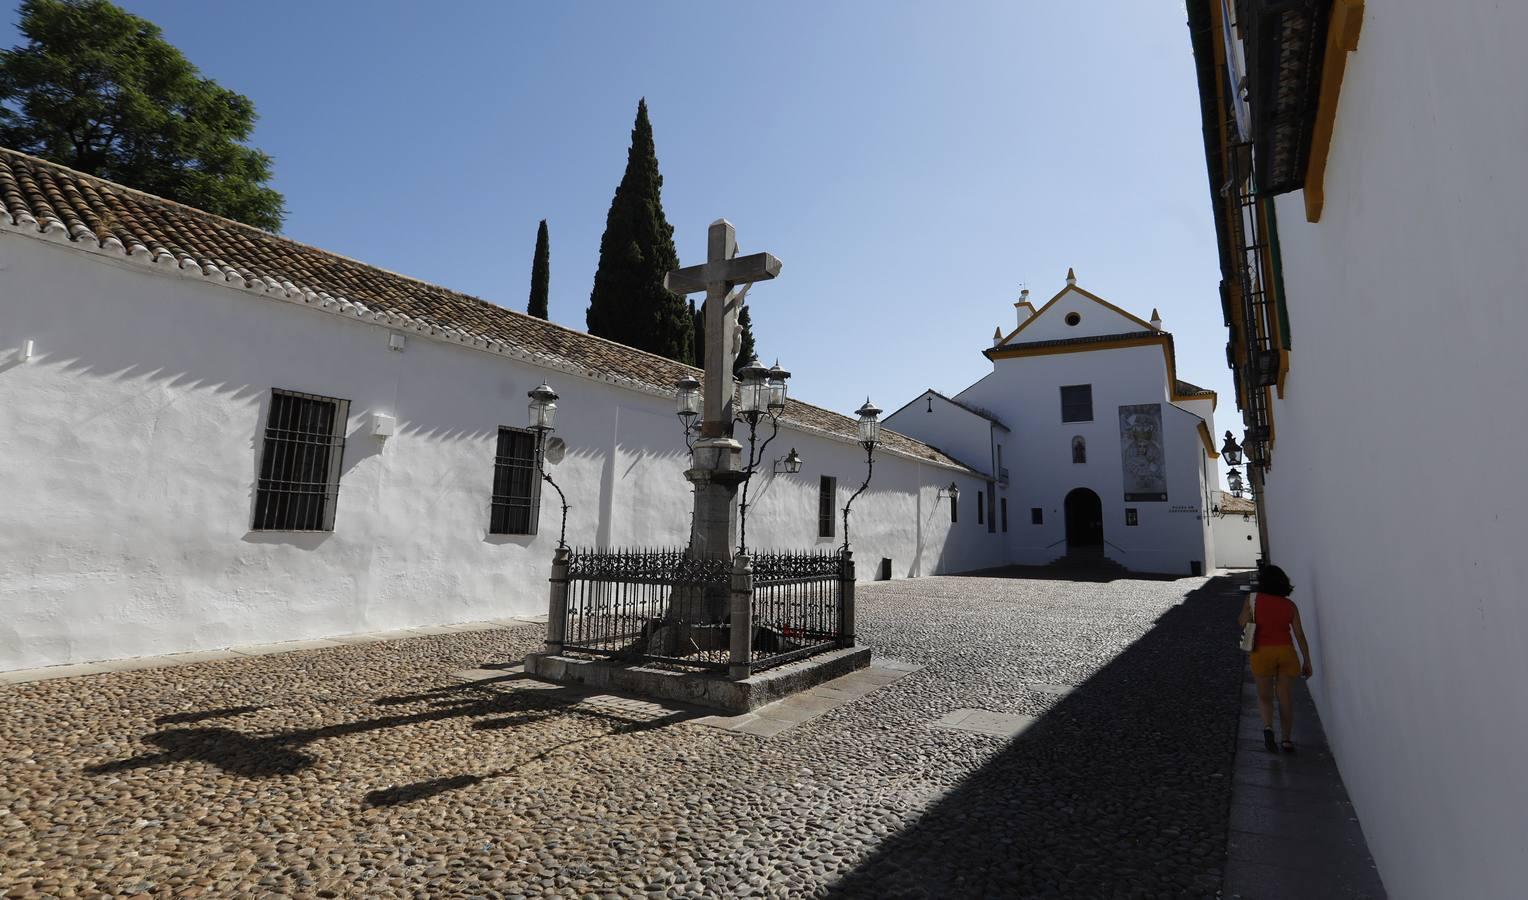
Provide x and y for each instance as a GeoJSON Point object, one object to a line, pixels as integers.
{"type": "Point", "coordinates": [368, 770]}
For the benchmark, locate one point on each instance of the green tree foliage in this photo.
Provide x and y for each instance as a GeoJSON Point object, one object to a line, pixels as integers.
{"type": "Point", "coordinates": [541, 274]}
{"type": "Point", "coordinates": [629, 303]}
{"type": "Point", "coordinates": [100, 90]}
{"type": "Point", "coordinates": [745, 349]}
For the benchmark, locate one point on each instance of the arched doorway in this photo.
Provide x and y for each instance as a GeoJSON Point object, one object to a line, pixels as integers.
{"type": "Point", "coordinates": [1084, 521]}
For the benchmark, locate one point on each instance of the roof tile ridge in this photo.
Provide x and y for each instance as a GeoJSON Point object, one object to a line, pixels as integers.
{"type": "Point", "coordinates": [117, 186]}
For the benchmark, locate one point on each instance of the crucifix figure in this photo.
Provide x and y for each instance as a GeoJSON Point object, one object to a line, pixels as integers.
{"type": "Point", "coordinates": [715, 471]}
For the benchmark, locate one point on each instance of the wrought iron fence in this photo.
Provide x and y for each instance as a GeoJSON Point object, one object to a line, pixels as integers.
{"type": "Point", "coordinates": [649, 604]}
{"type": "Point", "coordinates": [797, 605]}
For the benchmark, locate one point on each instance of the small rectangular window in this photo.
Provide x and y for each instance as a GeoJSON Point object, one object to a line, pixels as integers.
{"type": "Point", "coordinates": [980, 503]}
{"type": "Point", "coordinates": [954, 511]}
{"type": "Point", "coordinates": [1077, 403]}
{"type": "Point", "coordinates": [827, 504]}
{"type": "Point", "coordinates": [516, 484]}
{"type": "Point", "coordinates": [991, 509]}
{"type": "Point", "coordinates": [1130, 517]}
{"type": "Point", "coordinates": [1003, 505]}
{"type": "Point", "coordinates": [300, 463]}
{"type": "Point", "coordinates": [1036, 516]}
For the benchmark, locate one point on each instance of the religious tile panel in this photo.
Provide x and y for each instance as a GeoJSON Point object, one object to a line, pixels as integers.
{"type": "Point", "coordinates": [1142, 452]}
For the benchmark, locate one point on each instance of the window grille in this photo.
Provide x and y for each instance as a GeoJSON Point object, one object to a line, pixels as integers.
{"type": "Point", "coordinates": [980, 503]}
{"type": "Point", "coordinates": [300, 462]}
{"type": "Point", "coordinates": [1077, 403]}
{"type": "Point", "coordinates": [991, 510]}
{"type": "Point", "coordinates": [1003, 505]}
{"type": "Point", "coordinates": [1131, 517]}
{"type": "Point", "coordinates": [516, 484]}
{"type": "Point", "coordinates": [827, 504]}
{"type": "Point", "coordinates": [1036, 516]}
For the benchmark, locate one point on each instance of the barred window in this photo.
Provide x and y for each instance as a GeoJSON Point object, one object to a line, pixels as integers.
{"type": "Point", "coordinates": [827, 502]}
{"type": "Point", "coordinates": [980, 505]}
{"type": "Point", "coordinates": [1003, 505]}
{"type": "Point", "coordinates": [954, 510]}
{"type": "Point", "coordinates": [1077, 403]}
{"type": "Point", "coordinates": [1036, 516]}
{"type": "Point", "coordinates": [516, 484]}
{"type": "Point", "coordinates": [1079, 450]}
{"type": "Point", "coordinates": [991, 509]}
{"type": "Point", "coordinates": [300, 463]}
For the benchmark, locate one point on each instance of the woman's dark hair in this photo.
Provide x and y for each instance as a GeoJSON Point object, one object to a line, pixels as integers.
{"type": "Point", "coordinates": [1272, 580]}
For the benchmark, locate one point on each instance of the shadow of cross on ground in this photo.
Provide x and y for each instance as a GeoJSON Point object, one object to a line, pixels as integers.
{"type": "Point", "coordinates": [263, 756]}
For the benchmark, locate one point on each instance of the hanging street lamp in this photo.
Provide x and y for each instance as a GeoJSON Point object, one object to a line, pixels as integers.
{"type": "Point", "coordinates": [869, 436]}
{"type": "Point", "coordinates": [1234, 479]}
{"type": "Point", "coordinates": [789, 464]}
{"type": "Point", "coordinates": [1231, 451]}
{"type": "Point", "coordinates": [543, 415]}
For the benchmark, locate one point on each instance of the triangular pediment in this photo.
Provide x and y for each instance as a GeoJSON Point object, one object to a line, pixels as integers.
{"type": "Point", "coordinates": [1075, 313]}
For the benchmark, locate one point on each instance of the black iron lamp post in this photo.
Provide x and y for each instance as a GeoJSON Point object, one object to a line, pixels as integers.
{"type": "Point", "coordinates": [543, 413]}
{"type": "Point", "coordinates": [869, 436]}
{"type": "Point", "coordinates": [761, 394]}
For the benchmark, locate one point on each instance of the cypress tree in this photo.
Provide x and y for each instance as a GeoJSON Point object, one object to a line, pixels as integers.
{"type": "Point", "coordinates": [698, 318]}
{"type": "Point", "coordinates": [745, 348]}
{"type": "Point", "coordinates": [629, 303]}
{"type": "Point", "coordinates": [541, 274]}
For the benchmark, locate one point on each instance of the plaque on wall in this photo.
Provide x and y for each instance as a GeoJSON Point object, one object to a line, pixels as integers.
{"type": "Point", "coordinates": [1142, 453]}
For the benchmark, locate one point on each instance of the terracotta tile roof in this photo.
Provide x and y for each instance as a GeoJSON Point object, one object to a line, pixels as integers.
{"type": "Point", "coordinates": [85, 209]}
{"type": "Point", "coordinates": [1067, 342]}
{"type": "Point", "coordinates": [1188, 389]}
{"type": "Point", "coordinates": [1236, 506]}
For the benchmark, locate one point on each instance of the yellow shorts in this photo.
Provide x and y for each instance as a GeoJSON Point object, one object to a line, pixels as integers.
{"type": "Point", "coordinates": [1278, 659]}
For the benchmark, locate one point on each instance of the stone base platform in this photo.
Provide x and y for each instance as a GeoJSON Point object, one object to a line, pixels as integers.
{"type": "Point", "coordinates": [710, 689]}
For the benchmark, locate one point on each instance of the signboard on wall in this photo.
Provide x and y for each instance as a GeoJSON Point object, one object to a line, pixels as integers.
{"type": "Point", "coordinates": [1142, 452]}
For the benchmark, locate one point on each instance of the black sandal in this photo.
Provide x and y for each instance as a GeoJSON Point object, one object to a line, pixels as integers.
{"type": "Point", "coordinates": [1287, 745]}
{"type": "Point", "coordinates": [1268, 741]}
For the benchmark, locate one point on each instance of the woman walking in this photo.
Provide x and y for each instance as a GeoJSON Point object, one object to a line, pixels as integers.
{"type": "Point", "coordinates": [1274, 664]}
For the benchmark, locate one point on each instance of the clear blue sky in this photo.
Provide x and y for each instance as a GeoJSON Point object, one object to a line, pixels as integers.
{"type": "Point", "coordinates": [911, 164]}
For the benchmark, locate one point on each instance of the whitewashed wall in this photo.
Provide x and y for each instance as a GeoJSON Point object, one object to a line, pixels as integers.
{"type": "Point", "coordinates": [1408, 370]}
{"type": "Point", "coordinates": [957, 431]}
{"type": "Point", "coordinates": [131, 443]}
{"type": "Point", "coordinates": [1236, 544]}
{"type": "Point", "coordinates": [1025, 393]}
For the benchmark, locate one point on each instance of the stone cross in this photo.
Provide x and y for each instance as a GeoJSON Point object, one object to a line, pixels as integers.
{"type": "Point", "coordinates": [717, 276]}
{"type": "Point", "coordinates": [714, 469]}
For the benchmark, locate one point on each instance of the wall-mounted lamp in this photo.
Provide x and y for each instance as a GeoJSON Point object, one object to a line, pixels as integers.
{"type": "Point", "coordinates": [953, 492]}
{"type": "Point", "coordinates": [789, 464]}
{"type": "Point", "coordinates": [396, 341]}
{"type": "Point", "coordinates": [383, 425]}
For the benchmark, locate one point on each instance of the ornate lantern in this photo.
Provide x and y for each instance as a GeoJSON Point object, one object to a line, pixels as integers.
{"type": "Point", "coordinates": [869, 425]}
{"type": "Point", "coordinates": [777, 392]}
{"type": "Point", "coordinates": [753, 394]}
{"type": "Point", "coordinates": [1231, 451]}
{"type": "Point", "coordinates": [543, 408]}
{"type": "Point", "coordinates": [1234, 479]}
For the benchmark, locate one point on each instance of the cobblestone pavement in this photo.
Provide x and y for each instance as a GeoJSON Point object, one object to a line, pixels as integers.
{"type": "Point", "coordinates": [366, 771]}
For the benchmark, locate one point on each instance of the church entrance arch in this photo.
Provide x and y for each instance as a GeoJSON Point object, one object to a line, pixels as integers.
{"type": "Point", "coordinates": [1084, 521]}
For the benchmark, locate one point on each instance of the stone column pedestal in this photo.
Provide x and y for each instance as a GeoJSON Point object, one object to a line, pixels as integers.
{"type": "Point", "coordinates": [716, 474]}
{"type": "Point", "coordinates": [741, 661]}
{"type": "Point", "coordinates": [557, 609]}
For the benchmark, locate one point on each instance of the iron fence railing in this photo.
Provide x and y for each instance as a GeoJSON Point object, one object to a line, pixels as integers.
{"type": "Point", "coordinates": [642, 603]}
{"type": "Point", "coordinates": [797, 605]}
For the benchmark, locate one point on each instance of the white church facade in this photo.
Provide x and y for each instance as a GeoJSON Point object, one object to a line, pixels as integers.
{"type": "Point", "coordinates": [213, 436]}
{"type": "Point", "coordinates": [1097, 448]}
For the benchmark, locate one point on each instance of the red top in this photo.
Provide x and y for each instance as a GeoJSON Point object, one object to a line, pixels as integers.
{"type": "Point", "coordinates": [1274, 617]}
